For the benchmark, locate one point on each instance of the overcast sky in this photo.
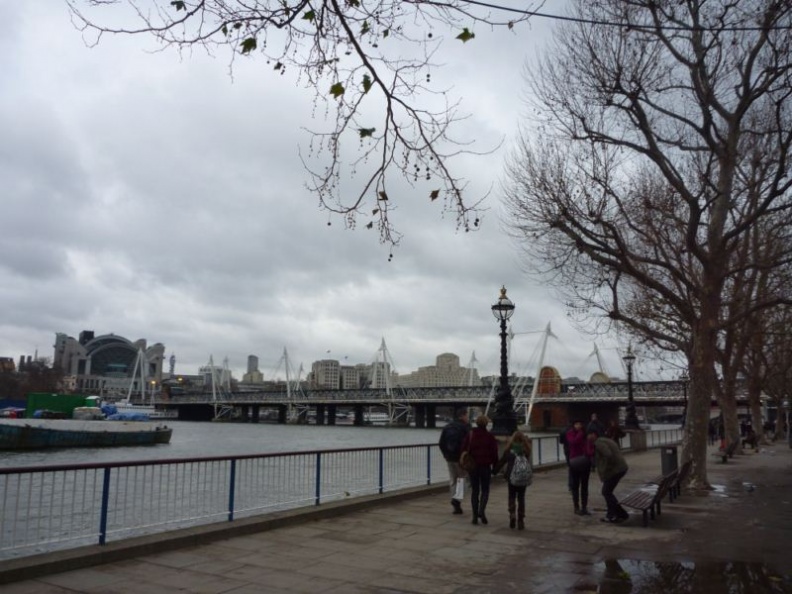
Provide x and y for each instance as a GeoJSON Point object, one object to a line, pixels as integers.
{"type": "Point", "coordinates": [154, 196]}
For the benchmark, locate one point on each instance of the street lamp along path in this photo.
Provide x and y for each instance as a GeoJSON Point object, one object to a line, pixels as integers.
{"type": "Point", "coordinates": [631, 418]}
{"type": "Point", "coordinates": [504, 421]}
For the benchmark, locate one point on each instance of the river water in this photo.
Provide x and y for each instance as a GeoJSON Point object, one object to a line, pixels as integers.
{"type": "Point", "coordinates": [194, 440]}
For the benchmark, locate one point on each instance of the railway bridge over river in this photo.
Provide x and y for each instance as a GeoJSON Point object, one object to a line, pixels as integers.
{"type": "Point", "coordinates": [420, 406]}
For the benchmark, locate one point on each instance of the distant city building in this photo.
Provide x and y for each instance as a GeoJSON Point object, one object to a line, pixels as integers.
{"type": "Point", "coordinates": [445, 372]}
{"type": "Point", "coordinates": [380, 375]}
{"type": "Point", "coordinates": [253, 375]}
{"type": "Point", "coordinates": [350, 377]}
{"type": "Point", "coordinates": [325, 374]}
{"type": "Point", "coordinates": [105, 364]}
{"type": "Point", "coordinates": [222, 377]}
{"type": "Point", "coordinates": [7, 365]}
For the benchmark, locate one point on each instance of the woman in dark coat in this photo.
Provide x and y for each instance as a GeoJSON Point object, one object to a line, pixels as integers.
{"type": "Point", "coordinates": [483, 449]}
{"type": "Point", "coordinates": [581, 454]}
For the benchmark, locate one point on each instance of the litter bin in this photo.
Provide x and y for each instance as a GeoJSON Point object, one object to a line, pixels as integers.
{"type": "Point", "coordinates": [669, 461]}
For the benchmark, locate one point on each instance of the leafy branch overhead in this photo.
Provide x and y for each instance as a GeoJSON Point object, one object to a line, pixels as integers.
{"type": "Point", "coordinates": [356, 58]}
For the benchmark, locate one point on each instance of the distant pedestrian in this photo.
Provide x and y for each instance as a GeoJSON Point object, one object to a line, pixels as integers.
{"type": "Point", "coordinates": [451, 439]}
{"type": "Point", "coordinates": [712, 432]}
{"type": "Point", "coordinates": [722, 433]}
{"type": "Point", "coordinates": [562, 440]}
{"type": "Point", "coordinates": [750, 439]}
{"type": "Point", "coordinates": [581, 453]}
{"type": "Point", "coordinates": [519, 475]}
{"type": "Point", "coordinates": [595, 425]}
{"type": "Point", "coordinates": [611, 468]}
{"type": "Point", "coordinates": [614, 432]}
{"type": "Point", "coordinates": [483, 449]}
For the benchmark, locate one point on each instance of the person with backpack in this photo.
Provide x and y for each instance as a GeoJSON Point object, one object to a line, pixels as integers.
{"type": "Point", "coordinates": [451, 439]}
{"type": "Point", "coordinates": [519, 475]}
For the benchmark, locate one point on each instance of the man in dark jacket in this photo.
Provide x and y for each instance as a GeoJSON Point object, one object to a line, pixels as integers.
{"type": "Point", "coordinates": [595, 425]}
{"type": "Point", "coordinates": [451, 439]}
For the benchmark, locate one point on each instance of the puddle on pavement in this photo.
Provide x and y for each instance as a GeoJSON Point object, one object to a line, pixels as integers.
{"type": "Point", "coordinates": [650, 577]}
{"type": "Point", "coordinates": [716, 491]}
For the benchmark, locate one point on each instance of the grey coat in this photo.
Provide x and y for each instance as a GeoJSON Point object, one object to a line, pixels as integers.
{"type": "Point", "coordinates": [608, 458]}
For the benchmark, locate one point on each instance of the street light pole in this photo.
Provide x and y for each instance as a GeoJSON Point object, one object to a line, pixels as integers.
{"type": "Point", "coordinates": [631, 420]}
{"type": "Point", "coordinates": [504, 421]}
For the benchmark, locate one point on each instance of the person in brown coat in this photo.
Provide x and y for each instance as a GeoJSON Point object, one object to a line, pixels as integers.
{"type": "Point", "coordinates": [483, 448]}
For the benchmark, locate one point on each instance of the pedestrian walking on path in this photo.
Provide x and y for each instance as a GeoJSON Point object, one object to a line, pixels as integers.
{"type": "Point", "coordinates": [614, 432]}
{"type": "Point", "coordinates": [611, 468]}
{"type": "Point", "coordinates": [595, 425]}
{"type": "Point", "coordinates": [565, 445]}
{"type": "Point", "coordinates": [519, 476]}
{"type": "Point", "coordinates": [483, 448]}
{"type": "Point", "coordinates": [451, 439]}
{"type": "Point", "coordinates": [581, 453]}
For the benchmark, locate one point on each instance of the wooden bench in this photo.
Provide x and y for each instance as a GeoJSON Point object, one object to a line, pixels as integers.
{"type": "Point", "coordinates": [724, 455]}
{"type": "Point", "coordinates": [676, 486]}
{"type": "Point", "coordinates": [648, 498]}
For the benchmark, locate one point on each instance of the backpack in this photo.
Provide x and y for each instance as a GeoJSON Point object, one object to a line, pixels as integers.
{"type": "Point", "coordinates": [451, 439]}
{"type": "Point", "coordinates": [521, 474]}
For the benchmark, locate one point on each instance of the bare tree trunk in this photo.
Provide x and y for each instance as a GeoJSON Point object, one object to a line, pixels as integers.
{"type": "Point", "coordinates": [731, 422]}
{"type": "Point", "coordinates": [699, 404]}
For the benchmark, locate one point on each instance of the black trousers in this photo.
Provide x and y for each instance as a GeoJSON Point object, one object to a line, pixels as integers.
{"type": "Point", "coordinates": [580, 485]}
{"type": "Point", "coordinates": [615, 510]}
{"type": "Point", "coordinates": [480, 487]}
{"type": "Point", "coordinates": [517, 501]}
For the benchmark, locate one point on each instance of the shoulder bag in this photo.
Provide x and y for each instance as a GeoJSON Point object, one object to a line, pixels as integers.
{"type": "Point", "coordinates": [466, 461]}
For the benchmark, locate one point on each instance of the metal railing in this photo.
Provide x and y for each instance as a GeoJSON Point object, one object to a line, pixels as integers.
{"type": "Point", "coordinates": [45, 508]}
{"type": "Point", "coordinates": [53, 507]}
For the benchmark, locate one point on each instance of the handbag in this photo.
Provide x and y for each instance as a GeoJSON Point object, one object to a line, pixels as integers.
{"type": "Point", "coordinates": [466, 461]}
{"type": "Point", "coordinates": [580, 463]}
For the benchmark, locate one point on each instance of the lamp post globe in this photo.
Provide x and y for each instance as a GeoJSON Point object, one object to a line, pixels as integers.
{"type": "Point", "coordinates": [504, 421]}
{"type": "Point", "coordinates": [631, 418]}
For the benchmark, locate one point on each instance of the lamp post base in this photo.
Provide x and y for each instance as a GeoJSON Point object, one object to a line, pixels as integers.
{"type": "Point", "coordinates": [631, 419]}
{"type": "Point", "coordinates": [503, 427]}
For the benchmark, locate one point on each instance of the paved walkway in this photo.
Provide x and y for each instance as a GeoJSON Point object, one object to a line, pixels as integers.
{"type": "Point", "coordinates": [704, 542]}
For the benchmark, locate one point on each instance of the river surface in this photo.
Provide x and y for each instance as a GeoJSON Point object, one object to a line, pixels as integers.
{"type": "Point", "coordinates": [193, 440]}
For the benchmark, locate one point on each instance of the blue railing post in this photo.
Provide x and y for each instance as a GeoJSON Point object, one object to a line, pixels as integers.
{"type": "Point", "coordinates": [231, 491]}
{"type": "Point", "coordinates": [381, 470]}
{"type": "Point", "coordinates": [428, 465]}
{"type": "Point", "coordinates": [318, 478]}
{"type": "Point", "coordinates": [105, 504]}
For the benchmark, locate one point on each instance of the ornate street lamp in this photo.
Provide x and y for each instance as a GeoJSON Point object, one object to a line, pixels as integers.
{"type": "Point", "coordinates": [631, 421]}
{"type": "Point", "coordinates": [504, 421]}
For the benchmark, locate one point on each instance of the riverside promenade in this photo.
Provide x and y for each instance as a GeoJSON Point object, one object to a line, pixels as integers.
{"type": "Point", "coordinates": [737, 538]}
